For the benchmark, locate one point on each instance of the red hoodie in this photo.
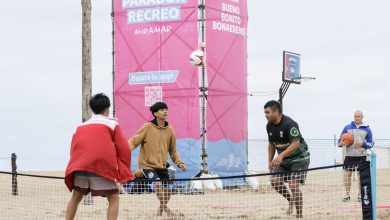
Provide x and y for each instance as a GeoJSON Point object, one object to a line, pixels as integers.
{"type": "Point", "coordinates": [100, 147]}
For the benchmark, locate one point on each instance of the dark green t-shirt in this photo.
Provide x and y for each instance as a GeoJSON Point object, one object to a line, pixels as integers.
{"type": "Point", "coordinates": [282, 134]}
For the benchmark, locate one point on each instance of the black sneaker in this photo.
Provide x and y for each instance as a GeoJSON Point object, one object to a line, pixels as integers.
{"type": "Point", "coordinates": [346, 198]}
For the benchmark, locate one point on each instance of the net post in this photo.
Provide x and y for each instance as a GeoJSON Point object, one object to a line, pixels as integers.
{"type": "Point", "coordinates": [14, 175]}
{"type": "Point", "coordinates": [373, 182]}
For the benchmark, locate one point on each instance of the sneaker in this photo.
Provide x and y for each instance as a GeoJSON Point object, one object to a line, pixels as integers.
{"type": "Point", "coordinates": [346, 198]}
{"type": "Point", "coordinates": [359, 198]}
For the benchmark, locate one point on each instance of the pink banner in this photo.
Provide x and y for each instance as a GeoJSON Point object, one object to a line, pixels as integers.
{"type": "Point", "coordinates": [227, 69]}
{"type": "Point", "coordinates": [152, 46]}
{"type": "Point", "coordinates": [226, 35]}
{"type": "Point", "coordinates": [153, 41]}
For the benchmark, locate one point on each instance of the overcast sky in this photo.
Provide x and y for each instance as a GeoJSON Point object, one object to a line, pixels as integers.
{"type": "Point", "coordinates": [344, 44]}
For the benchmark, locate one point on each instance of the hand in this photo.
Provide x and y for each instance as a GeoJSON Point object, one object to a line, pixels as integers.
{"type": "Point", "coordinates": [121, 189]}
{"type": "Point", "coordinates": [277, 161]}
{"type": "Point", "coordinates": [270, 166]}
{"type": "Point", "coordinates": [131, 146]}
{"type": "Point", "coordinates": [183, 167]}
{"type": "Point", "coordinates": [344, 143]}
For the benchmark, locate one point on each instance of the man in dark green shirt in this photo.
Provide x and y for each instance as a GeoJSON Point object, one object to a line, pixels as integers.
{"type": "Point", "coordinates": [293, 155]}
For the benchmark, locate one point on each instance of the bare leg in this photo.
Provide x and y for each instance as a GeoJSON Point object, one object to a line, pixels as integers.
{"type": "Point", "coordinates": [113, 207]}
{"type": "Point", "coordinates": [163, 195]}
{"type": "Point", "coordinates": [358, 186]}
{"type": "Point", "coordinates": [278, 185]}
{"type": "Point", "coordinates": [297, 197]}
{"type": "Point", "coordinates": [73, 205]}
{"type": "Point", "coordinates": [160, 196]}
{"type": "Point", "coordinates": [290, 207]}
{"type": "Point", "coordinates": [347, 182]}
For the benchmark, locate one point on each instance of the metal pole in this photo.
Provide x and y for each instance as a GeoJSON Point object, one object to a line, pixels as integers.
{"type": "Point", "coordinates": [113, 57]}
{"type": "Point", "coordinates": [14, 175]}
{"type": "Point", "coordinates": [281, 98]}
{"type": "Point", "coordinates": [282, 91]}
{"type": "Point", "coordinates": [203, 91]}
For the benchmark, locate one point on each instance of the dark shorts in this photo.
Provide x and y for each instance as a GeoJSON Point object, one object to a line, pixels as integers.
{"type": "Point", "coordinates": [293, 170]}
{"type": "Point", "coordinates": [352, 163]}
{"type": "Point", "coordinates": [160, 174]}
{"type": "Point", "coordinates": [85, 182]}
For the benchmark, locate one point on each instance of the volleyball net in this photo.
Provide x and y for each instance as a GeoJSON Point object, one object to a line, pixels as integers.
{"type": "Point", "coordinates": [239, 197]}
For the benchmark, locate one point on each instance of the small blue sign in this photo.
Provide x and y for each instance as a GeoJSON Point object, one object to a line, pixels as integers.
{"type": "Point", "coordinates": [167, 76]}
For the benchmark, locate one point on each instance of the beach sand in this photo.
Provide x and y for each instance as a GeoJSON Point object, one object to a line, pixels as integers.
{"type": "Point", "coordinates": [42, 198]}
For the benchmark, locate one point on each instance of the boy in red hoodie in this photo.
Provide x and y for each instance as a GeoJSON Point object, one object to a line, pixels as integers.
{"type": "Point", "coordinates": [99, 159]}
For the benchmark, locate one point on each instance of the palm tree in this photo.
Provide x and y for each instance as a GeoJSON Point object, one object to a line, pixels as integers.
{"type": "Point", "coordinates": [86, 69]}
{"type": "Point", "coordinates": [86, 58]}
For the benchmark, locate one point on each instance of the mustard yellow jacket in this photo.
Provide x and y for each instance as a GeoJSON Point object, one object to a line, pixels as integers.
{"type": "Point", "coordinates": [155, 142]}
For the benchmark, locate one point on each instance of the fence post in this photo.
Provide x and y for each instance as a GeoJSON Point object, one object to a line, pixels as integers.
{"type": "Point", "coordinates": [14, 175]}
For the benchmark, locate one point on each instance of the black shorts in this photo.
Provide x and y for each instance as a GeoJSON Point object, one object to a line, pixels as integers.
{"type": "Point", "coordinates": [160, 174]}
{"type": "Point", "coordinates": [352, 163]}
{"type": "Point", "coordinates": [292, 171]}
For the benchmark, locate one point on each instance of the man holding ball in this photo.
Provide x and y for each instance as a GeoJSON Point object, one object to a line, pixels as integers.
{"type": "Point", "coordinates": [356, 152]}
